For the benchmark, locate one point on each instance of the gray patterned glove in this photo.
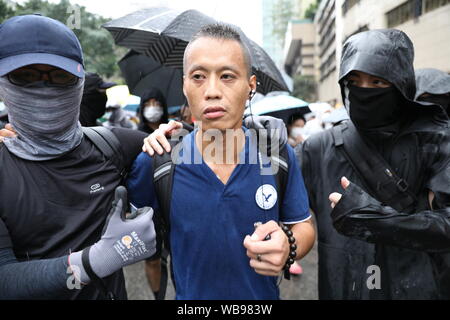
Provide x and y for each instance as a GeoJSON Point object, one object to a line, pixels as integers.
{"type": "Point", "coordinates": [126, 240]}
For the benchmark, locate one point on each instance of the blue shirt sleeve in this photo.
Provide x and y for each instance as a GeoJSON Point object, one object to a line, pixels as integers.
{"type": "Point", "coordinates": [295, 206]}
{"type": "Point", "coordinates": [141, 192]}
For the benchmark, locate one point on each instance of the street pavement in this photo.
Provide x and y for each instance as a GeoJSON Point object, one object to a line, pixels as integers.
{"type": "Point", "coordinates": [298, 288]}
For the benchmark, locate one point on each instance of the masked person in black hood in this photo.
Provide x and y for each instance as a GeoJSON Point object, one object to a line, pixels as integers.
{"type": "Point", "coordinates": [93, 102]}
{"type": "Point", "coordinates": [388, 234]}
{"type": "Point", "coordinates": [433, 86]}
{"type": "Point", "coordinates": [152, 111]}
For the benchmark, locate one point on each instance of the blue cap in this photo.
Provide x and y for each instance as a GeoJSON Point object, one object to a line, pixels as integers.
{"type": "Point", "coordinates": [34, 39]}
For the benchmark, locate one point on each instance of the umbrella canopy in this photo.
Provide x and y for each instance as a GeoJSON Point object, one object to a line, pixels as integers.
{"type": "Point", "coordinates": [142, 72]}
{"type": "Point", "coordinates": [280, 106]}
{"type": "Point", "coordinates": [163, 34]}
{"type": "Point", "coordinates": [336, 116]}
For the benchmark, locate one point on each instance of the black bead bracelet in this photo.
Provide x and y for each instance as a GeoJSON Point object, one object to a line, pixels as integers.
{"type": "Point", "coordinates": [292, 251]}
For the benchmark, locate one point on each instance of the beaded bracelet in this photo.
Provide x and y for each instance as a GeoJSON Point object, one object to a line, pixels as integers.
{"type": "Point", "coordinates": [292, 251]}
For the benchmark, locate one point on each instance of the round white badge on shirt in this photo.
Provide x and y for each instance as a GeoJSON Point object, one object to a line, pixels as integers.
{"type": "Point", "coordinates": [266, 196]}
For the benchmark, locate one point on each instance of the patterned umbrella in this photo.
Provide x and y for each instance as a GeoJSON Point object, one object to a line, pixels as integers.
{"type": "Point", "coordinates": [163, 34]}
{"type": "Point", "coordinates": [142, 72]}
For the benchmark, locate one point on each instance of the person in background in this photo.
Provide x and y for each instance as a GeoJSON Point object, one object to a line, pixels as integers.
{"type": "Point", "coordinates": [152, 111]}
{"type": "Point", "coordinates": [186, 117]}
{"type": "Point", "coordinates": [296, 136]}
{"type": "Point", "coordinates": [433, 86]}
{"type": "Point", "coordinates": [295, 128]}
{"type": "Point", "coordinates": [93, 102]}
{"type": "Point", "coordinates": [117, 117]}
{"type": "Point", "coordinates": [186, 114]}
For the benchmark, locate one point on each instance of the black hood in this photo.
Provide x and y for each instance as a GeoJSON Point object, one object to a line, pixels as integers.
{"type": "Point", "coordinates": [388, 54]}
{"type": "Point", "coordinates": [432, 81]}
{"type": "Point", "coordinates": [152, 93]}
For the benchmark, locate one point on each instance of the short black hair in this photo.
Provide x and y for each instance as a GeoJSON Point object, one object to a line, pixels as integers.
{"type": "Point", "coordinates": [222, 31]}
{"type": "Point", "coordinates": [294, 117]}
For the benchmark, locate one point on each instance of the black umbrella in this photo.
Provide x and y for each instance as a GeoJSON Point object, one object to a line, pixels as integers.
{"type": "Point", "coordinates": [163, 34]}
{"type": "Point", "coordinates": [142, 72]}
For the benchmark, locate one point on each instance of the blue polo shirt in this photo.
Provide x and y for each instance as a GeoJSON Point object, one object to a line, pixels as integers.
{"type": "Point", "coordinates": [209, 221]}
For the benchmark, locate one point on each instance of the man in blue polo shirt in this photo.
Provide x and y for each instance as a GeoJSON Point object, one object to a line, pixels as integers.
{"type": "Point", "coordinates": [218, 192]}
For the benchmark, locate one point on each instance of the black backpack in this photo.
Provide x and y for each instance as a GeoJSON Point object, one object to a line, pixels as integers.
{"type": "Point", "coordinates": [109, 145]}
{"type": "Point", "coordinates": [163, 172]}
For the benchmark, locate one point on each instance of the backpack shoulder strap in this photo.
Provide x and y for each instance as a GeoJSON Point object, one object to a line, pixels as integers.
{"type": "Point", "coordinates": [281, 177]}
{"type": "Point", "coordinates": [163, 170]}
{"type": "Point", "coordinates": [379, 178]}
{"type": "Point", "coordinates": [108, 144]}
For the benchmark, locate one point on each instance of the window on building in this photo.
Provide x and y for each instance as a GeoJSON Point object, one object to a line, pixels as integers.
{"type": "Point", "coordinates": [347, 5]}
{"type": "Point", "coordinates": [328, 66]}
{"type": "Point", "coordinates": [404, 12]}
{"type": "Point", "coordinates": [434, 4]}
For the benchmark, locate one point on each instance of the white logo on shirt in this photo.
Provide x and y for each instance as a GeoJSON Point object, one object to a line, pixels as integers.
{"type": "Point", "coordinates": [266, 196]}
{"type": "Point", "coordinates": [96, 188]}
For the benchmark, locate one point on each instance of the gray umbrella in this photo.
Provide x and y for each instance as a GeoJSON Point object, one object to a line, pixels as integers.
{"type": "Point", "coordinates": [163, 34]}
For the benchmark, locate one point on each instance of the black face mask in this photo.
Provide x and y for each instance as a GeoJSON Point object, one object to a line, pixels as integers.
{"type": "Point", "coordinates": [373, 109]}
{"type": "Point", "coordinates": [442, 99]}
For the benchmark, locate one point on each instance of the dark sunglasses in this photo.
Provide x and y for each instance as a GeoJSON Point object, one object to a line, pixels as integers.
{"type": "Point", "coordinates": [55, 77]}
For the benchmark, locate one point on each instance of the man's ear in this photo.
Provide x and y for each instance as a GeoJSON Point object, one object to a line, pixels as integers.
{"type": "Point", "coordinates": [252, 83]}
{"type": "Point", "coordinates": [184, 90]}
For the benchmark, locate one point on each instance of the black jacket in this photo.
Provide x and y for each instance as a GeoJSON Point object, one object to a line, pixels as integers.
{"type": "Point", "coordinates": [410, 248]}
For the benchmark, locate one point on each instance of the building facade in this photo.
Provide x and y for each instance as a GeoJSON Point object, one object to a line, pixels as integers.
{"type": "Point", "coordinates": [426, 22]}
{"type": "Point", "coordinates": [300, 57]}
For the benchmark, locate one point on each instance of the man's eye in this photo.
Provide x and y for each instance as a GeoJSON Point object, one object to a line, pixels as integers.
{"type": "Point", "coordinates": [197, 76]}
{"type": "Point", "coordinates": [227, 76]}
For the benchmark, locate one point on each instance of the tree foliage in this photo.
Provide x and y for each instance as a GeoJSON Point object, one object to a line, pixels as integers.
{"type": "Point", "coordinates": [283, 11]}
{"type": "Point", "coordinates": [5, 11]}
{"type": "Point", "coordinates": [98, 46]}
{"type": "Point", "coordinates": [311, 10]}
{"type": "Point", "coordinates": [305, 88]}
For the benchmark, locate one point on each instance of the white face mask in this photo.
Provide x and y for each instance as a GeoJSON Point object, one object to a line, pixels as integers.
{"type": "Point", "coordinates": [297, 132]}
{"type": "Point", "coordinates": [153, 114]}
